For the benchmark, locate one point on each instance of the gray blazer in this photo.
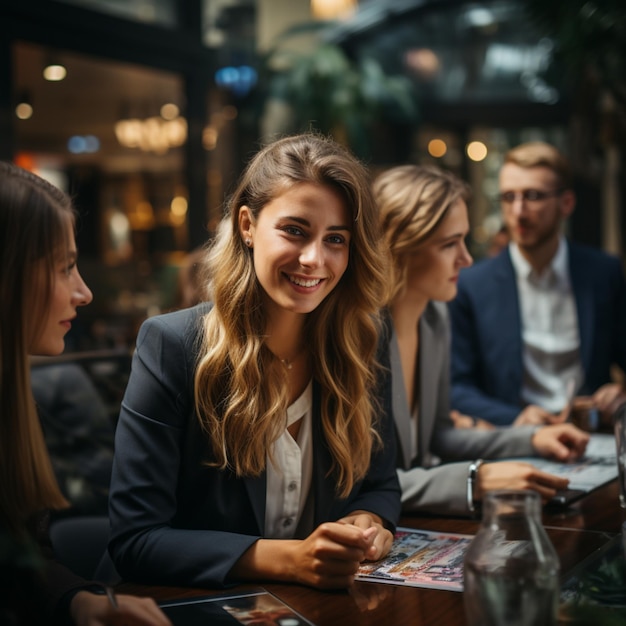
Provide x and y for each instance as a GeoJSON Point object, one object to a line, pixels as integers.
{"type": "Point", "coordinates": [440, 488]}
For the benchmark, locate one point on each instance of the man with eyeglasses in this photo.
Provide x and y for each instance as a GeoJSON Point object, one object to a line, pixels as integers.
{"type": "Point", "coordinates": [543, 321]}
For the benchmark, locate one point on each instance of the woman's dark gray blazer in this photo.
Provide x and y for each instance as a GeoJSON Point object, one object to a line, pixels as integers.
{"type": "Point", "coordinates": [177, 521]}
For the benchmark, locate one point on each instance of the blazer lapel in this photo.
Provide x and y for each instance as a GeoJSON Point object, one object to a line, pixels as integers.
{"type": "Point", "coordinates": [430, 353]}
{"type": "Point", "coordinates": [508, 323]}
{"type": "Point", "coordinates": [256, 488]}
{"type": "Point", "coordinates": [399, 403]}
{"type": "Point", "coordinates": [324, 486]}
{"type": "Point", "coordinates": [582, 286]}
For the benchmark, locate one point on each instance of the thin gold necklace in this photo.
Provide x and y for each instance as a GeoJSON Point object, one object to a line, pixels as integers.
{"type": "Point", "coordinates": [288, 363]}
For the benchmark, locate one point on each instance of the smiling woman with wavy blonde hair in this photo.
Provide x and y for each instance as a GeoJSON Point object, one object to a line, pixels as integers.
{"type": "Point", "coordinates": [255, 424]}
{"type": "Point", "coordinates": [340, 333]}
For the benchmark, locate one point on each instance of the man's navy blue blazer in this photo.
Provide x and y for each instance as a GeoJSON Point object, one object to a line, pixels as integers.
{"type": "Point", "coordinates": [487, 339]}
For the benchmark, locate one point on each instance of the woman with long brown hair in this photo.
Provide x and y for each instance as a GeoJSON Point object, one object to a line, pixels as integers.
{"type": "Point", "coordinates": [40, 291]}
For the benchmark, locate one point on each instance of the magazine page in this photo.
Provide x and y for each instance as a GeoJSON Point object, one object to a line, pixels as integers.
{"type": "Point", "coordinates": [421, 558]}
{"type": "Point", "coordinates": [597, 467]}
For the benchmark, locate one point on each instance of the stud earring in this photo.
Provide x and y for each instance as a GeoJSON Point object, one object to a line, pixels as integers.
{"type": "Point", "coordinates": [248, 242]}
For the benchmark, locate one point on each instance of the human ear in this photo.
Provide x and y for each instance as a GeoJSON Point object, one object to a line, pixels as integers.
{"type": "Point", "coordinates": [246, 225]}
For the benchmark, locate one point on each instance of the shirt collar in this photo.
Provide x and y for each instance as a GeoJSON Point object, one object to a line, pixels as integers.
{"type": "Point", "coordinates": [560, 262]}
{"type": "Point", "coordinates": [520, 264]}
{"type": "Point", "coordinates": [301, 405]}
{"type": "Point", "coordinates": [558, 267]}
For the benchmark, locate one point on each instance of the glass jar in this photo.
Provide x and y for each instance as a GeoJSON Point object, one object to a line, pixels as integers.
{"type": "Point", "coordinates": [511, 570]}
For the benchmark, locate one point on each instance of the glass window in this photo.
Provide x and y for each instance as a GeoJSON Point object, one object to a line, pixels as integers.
{"type": "Point", "coordinates": [472, 52]}
{"type": "Point", "coordinates": [112, 135]}
{"type": "Point", "coordinates": [149, 11]}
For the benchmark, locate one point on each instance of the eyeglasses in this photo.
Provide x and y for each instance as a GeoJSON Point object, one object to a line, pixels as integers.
{"type": "Point", "coordinates": [532, 196]}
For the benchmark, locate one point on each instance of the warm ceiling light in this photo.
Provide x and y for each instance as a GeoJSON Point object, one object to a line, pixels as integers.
{"type": "Point", "coordinates": [24, 111]}
{"type": "Point", "coordinates": [153, 134]}
{"type": "Point", "coordinates": [24, 107]}
{"type": "Point", "coordinates": [476, 150]}
{"type": "Point", "coordinates": [54, 72]}
{"type": "Point", "coordinates": [332, 9]}
{"type": "Point", "coordinates": [169, 111]}
{"type": "Point", "coordinates": [179, 206]}
{"type": "Point", "coordinates": [437, 148]}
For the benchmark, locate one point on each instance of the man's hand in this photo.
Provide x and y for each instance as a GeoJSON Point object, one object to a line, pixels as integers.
{"type": "Point", "coordinates": [533, 414]}
{"type": "Point", "coordinates": [608, 399]}
{"type": "Point", "coordinates": [563, 442]}
{"type": "Point", "coordinates": [465, 421]}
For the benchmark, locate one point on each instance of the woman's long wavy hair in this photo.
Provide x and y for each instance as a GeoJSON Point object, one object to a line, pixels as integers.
{"type": "Point", "coordinates": [240, 386]}
{"type": "Point", "coordinates": [412, 201]}
{"type": "Point", "coordinates": [34, 219]}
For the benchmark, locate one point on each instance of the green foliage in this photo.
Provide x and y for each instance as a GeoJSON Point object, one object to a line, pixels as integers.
{"type": "Point", "coordinates": [590, 35]}
{"type": "Point", "coordinates": [328, 91]}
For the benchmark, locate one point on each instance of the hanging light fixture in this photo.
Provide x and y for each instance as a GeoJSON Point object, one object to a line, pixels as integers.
{"type": "Point", "coordinates": [128, 129]}
{"type": "Point", "coordinates": [332, 9]}
{"type": "Point", "coordinates": [152, 134]}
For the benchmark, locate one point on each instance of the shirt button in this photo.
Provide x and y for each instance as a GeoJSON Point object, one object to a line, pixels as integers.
{"type": "Point", "coordinates": [287, 522]}
{"type": "Point", "coordinates": [292, 485]}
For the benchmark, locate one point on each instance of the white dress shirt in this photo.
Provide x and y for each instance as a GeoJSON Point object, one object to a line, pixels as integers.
{"type": "Point", "coordinates": [550, 335]}
{"type": "Point", "coordinates": [288, 507]}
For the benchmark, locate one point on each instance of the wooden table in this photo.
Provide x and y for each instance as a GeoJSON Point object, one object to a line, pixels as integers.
{"type": "Point", "coordinates": [598, 511]}
{"type": "Point", "coordinates": [577, 533]}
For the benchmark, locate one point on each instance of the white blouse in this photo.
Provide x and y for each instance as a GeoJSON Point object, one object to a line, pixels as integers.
{"type": "Point", "coordinates": [289, 477]}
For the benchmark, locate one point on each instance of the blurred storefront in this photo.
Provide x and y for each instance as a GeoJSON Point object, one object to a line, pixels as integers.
{"type": "Point", "coordinates": [157, 104]}
{"type": "Point", "coordinates": [117, 103]}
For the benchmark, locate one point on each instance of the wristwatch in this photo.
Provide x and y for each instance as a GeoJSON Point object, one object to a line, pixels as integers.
{"type": "Point", "coordinates": [472, 474]}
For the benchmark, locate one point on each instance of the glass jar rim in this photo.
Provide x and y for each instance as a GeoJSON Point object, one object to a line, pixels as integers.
{"type": "Point", "coordinates": [512, 495]}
